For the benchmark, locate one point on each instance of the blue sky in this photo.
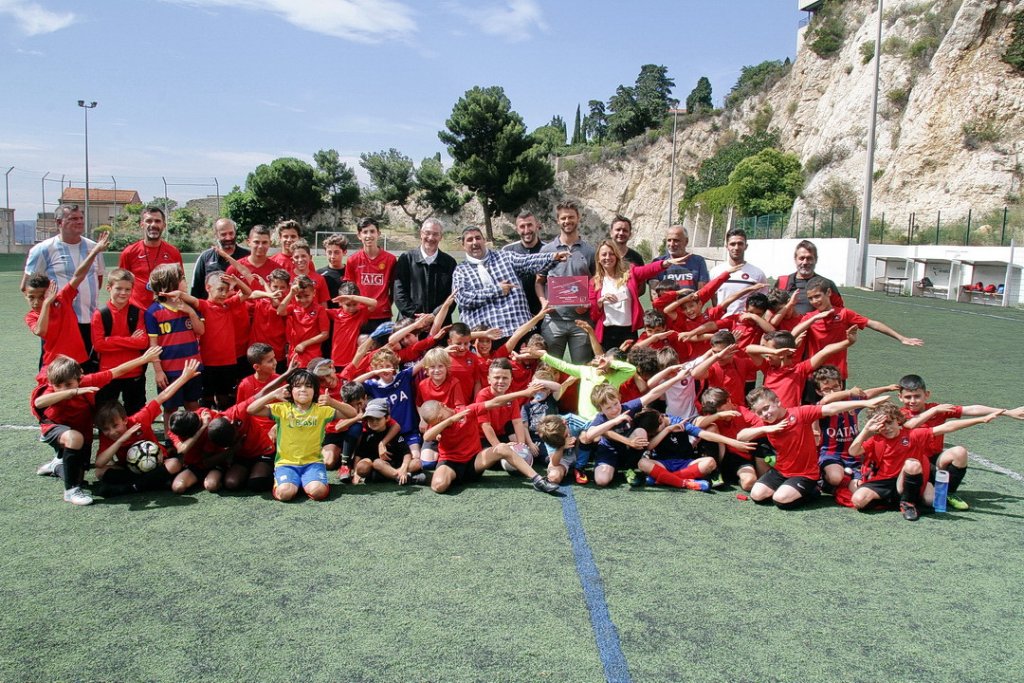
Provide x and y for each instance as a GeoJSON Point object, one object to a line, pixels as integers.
{"type": "Point", "coordinates": [195, 89]}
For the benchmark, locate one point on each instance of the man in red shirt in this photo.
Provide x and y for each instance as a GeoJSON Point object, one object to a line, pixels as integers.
{"type": "Point", "coordinates": [140, 258]}
{"type": "Point", "coordinates": [287, 235]}
{"type": "Point", "coordinates": [793, 480]}
{"type": "Point", "coordinates": [255, 268]}
{"type": "Point", "coordinates": [458, 435]}
{"type": "Point", "coordinates": [373, 270]}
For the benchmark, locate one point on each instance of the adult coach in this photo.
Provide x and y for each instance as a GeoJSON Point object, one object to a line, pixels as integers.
{"type": "Point", "coordinates": [748, 274]}
{"type": "Point", "coordinates": [805, 256]}
{"type": "Point", "coordinates": [487, 286]}
{"type": "Point", "coordinates": [528, 228]}
{"type": "Point", "coordinates": [210, 261]}
{"type": "Point", "coordinates": [59, 256]}
{"type": "Point", "coordinates": [620, 231]}
{"type": "Point", "coordinates": [692, 273]}
{"type": "Point", "coordinates": [140, 258]}
{"type": "Point", "coordinates": [423, 276]}
{"type": "Point", "coordinates": [559, 327]}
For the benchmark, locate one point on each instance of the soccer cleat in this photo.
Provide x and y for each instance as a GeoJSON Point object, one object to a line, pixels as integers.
{"type": "Point", "coordinates": [770, 461]}
{"type": "Point", "coordinates": [957, 503]}
{"type": "Point", "coordinates": [76, 496]}
{"type": "Point", "coordinates": [633, 479]}
{"type": "Point", "coordinates": [909, 511]}
{"type": "Point", "coordinates": [344, 474]}
{"type": "Point", "coordinates": [544, 486]}
{"type": "Point", "coordinates": [696, 485]}
{"type": "Point", "coordinates": [48, 469]}
{"type": "Point", "coordinates": [580, 476]}
{"type": "Point", "coordinates": [716, 481]}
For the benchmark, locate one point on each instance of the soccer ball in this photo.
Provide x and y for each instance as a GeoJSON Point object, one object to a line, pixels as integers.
{"type": "Point", "coordinates": [524, 452]}
{"type": "Point", "coordinates": [144, 457]}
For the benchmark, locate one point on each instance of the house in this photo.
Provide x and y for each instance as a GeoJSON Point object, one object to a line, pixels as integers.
{"type": "Point", "coordinates": [104, 205]}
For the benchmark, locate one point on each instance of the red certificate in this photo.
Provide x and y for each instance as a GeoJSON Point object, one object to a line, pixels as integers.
{"type": "Point", "coordinates": [568, 290]}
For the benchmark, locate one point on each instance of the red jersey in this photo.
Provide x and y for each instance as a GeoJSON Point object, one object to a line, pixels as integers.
{"type": "Point", "coordinates": [448, 392]}
{"type": "Point", "coordinates": [254, 437]}
{"type": "Point", "coordinates": [500, 416]}
{"type": "Point", "coordinates": [345, 337]}
{"type": "Point", "coordinates": [831, 330]}
{"type": "Point", "coordinates": [733, 377]}
{"type": "Point", "coordinates": [731, 426]}
{"type": "Point", "coordinates": [242, 321]}
{"type": "Point", "coordinates": [144, 418]}
{"type": "Point", "coordinates": [787, 381]}
{"type": "Point", "coordinates": [267, 326]}
{"type": "Point", "coordinates": [884, 458]}
{"type": "Point", "coordinates": [75, 412]}
{"type": "Point", "coordinates": [119, 346]}
{"type": "Point", "coordinates": [322, 294]}
{"type": "Point", "coordinates": [202, 447]}
{"type": "Point", "coordinates": [467, 371]}
{"type": "Point", "coordinates": [374, 277]}
{"type": "Point", "coordinates": [217, 345]}
{"type": "Point", "coordinates": [691, 349]}
{"type": "Point", "coordinates": [796, 451]}
{"type": "Point", "coordinates": [304, 323]}
{"type": "Point", "coordinates": [263, 271]}
{"type": "Point", "coordinates": [140, 260]}
{"type": "Point", "coordinates": [938, 440]}
{"type": "Point", "coordinates": [247, 389]}
{"type": "Point", "coordinates": [460, 442]}
{"type": "Point", "coordinates": [629, 390]}
{"type": "Point", "coordinates": [746, 332]}
{"type": "Point", "coordinates": [62, 333]}
{"type": "Point", "coordinates": [522, 373]}
{"type": "Point", "coordinates": [284, 261]}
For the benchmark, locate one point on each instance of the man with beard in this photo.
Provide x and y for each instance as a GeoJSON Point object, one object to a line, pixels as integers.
{"type": "Point", "coordinates": [210, 261]}
{"type": "Point", "coordinates": [140, 258]}
{"type": "Point", "coordinates": [529, 242]}
{"type": "Point", "coordinates": [806, 259]}
{"type": "Point", "coordinates": [749, 274]}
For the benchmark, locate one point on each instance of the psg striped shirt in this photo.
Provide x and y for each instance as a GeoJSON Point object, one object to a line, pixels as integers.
{"type": "Point", "coordinates": [172, 329]}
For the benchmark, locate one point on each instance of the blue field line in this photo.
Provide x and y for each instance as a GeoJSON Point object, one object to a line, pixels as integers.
{"type": "Point", "coordinates": [607, 636]}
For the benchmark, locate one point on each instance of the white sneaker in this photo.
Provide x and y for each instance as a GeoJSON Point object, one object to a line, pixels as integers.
{"type": "Point", "coordinates": [48, 469]}
{"type": "Point", "coordinates": [76, 496]}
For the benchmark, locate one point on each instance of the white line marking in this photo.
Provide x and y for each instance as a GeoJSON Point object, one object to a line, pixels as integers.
{"type": "Point", "coordinates": [940, 308]}
{"type": "Point", "coordinates": [985, 462]}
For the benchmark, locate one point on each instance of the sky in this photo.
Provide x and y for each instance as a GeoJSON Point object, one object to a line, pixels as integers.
{"type": "Point", "coordinates": [196, 90]}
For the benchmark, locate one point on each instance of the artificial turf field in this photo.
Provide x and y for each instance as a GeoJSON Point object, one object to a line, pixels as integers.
{"type": "Point", "coordinates": [386, 584]}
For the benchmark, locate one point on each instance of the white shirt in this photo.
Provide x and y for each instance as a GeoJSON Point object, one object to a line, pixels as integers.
{"type": "Point", "coordinates": [58, 260]}
{"type": "Point", "coordinates": [681, 397]}
{"type": "Point", "coordinates": [744, 277]}
{"type": "Point", "coordinates": [619, 313]}
{"type": "Point", "coordinates": [428, 259]}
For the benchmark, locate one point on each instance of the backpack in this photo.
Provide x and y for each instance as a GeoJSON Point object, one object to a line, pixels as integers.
{"type": "Point", "coordinates": [108, 319]}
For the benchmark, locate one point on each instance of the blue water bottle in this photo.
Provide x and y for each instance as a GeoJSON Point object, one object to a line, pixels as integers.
{"type": "Point", "coordinates": [941, 490]}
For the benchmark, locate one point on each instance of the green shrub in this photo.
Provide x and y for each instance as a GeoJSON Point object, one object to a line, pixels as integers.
{"type": "Point", "coordinates": [980, 131]}
{"type": "Point", "coordinates": [898, 98]}
{"type": "Point", "coordinates": [755, 79]}
{"type": "Point", "coordinates": [1014, 55]}
{"type": "Point", "coordinates": [867, 51]}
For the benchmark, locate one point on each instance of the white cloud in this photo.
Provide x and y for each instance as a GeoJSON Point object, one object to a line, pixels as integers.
{"type": "Point", "coordinates": [33, 19]}
{"type": "Point", "coordinates": [366, 21]}
{"type": "Point", "coordinates": [513, 20]}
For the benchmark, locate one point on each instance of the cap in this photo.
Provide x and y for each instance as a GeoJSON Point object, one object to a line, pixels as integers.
{"type": "Point", "coordinates": [383, 331]}
{"type": "Point", "coordinates": [377, 407]}
{"type": "Point", "coordinates": [321, 367]}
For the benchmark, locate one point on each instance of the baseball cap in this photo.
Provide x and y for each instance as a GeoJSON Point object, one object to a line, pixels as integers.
{"type": "Point", "coordinates": [383, 331]}
{"type": "Point", "coordinates": [377, 407]}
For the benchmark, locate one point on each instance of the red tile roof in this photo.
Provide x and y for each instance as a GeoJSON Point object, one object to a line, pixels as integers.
{"type": "Point", "coordinates": [77, 194]}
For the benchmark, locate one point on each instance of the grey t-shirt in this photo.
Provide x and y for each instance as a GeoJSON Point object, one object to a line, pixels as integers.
{"type": "Point", "coordinates": [580, 262]}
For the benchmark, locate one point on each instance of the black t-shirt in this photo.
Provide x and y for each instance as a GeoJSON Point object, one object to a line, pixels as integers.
{"type": "Point", "coordinates": [334, 278]}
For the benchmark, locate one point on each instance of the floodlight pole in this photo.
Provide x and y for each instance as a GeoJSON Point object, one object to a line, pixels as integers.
{"type": "Point", "coordinates": [87, 107]}
{"type": "Point", "coordinates": [7, 204]}
{"type": "Point", "coordinates": [865, 216]}
{"type": "Point", "coordinates": [672, 183]}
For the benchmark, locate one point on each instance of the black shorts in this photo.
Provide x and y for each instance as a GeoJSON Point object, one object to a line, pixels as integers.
{"type": "Point", "coordinates": [731, 465]}
{"type": "Point", "coordinates": [334, 439]}
{"type": "Point", "coordinates": [219, 380]}
{"type": "Point", "coordinates": [885, 488]}
{"type": "Point", "coordinates": [369, 442]}
{"type": "Point", "coordinates": [465, 472]}
{"type": "Point", "coordinates": [807, 487]}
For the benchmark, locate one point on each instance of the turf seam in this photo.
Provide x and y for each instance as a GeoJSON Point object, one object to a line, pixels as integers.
{"type": "Point", "coordinates": [985, 462]}
{"type": "Point", "coordinates": [609, 647]}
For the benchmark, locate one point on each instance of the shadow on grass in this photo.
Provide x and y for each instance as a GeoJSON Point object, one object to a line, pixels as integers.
{"type": "Point", "coordinates": [990, 503]}
{"type": "Point", "coordinates": [149, 501]}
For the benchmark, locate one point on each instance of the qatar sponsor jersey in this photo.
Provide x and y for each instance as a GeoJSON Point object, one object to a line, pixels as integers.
{"type": "Point", "coordinates": [373, 276]}
{"type": "Point", "coordinates": [62, 334]}
{"type": "Point", "coordinates": [140, 260]}
{"type": "Point", "coordinates": [74, 412]}
{"type": "Point", "coordinates": [217, 345]}
{"type": "Point", "coordinates": [787, 381]}
{"type": "Point", "coordinates": [938, 440]}
{"type": "Point", "coordinates": [837, 433]}
{"type": "Point", "coordinates": [299, 432]}
{"type": "Point", "coordinates": [796, 451]}
{"type": "Point", "coordinates": [501, 415]}
{"type": "Point", "coordinates": [144, 419]}
{"type": "Point", "coordinates": [830, 330]}
{"type": "Point", "coordinates": [884, 458]}
{"type": "Point", "coordinates": [172, 329]}
{"type": "Point", "coordinates": [460, 441]}
{"type": "Point", "coordinates": [400, 394]}
{"type": "Point", "coordinates": [302, 323]}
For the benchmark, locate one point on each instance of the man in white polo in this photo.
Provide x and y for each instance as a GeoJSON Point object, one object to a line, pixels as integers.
{"type": "Point", "coordinates": [749, 274]}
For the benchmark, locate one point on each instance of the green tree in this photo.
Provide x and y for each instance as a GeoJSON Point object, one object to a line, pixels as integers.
{"type": "Point", "coordinates": [653, 92]}
{"type": "Point", "coordinates": [243, 208]}
{"type": "Point", "coordinates": [578, 138]}
{"type": "Point", "coordinates": [714, 172]}
{"type": "Point", "coordinates": [336, 181]}
{"type": "Point", "coordinates": [493, 156]}
{"type": "Point", "coordinates": [559, 123]}
{"type": "Point", "coordinates": [437, 189]}
{"type": "Point", "coordinates": [624, 117]}
{"type": "Point", "coordinates": [188, 230]}
{"type": "Point", "coordinates": [754, 79]}
{"type": "Point", "coordinates": [550, 138]}
{"type": "Point", "coordinates": [767, 182]}
{"type": "Point", "coordinates": [699, 98]}
{"type": "Point", "coordinates": [595, 124]}
{"type": "Point", "coordinates": [391, 174]}
{"type": "Point", "coordinates": [164, 203]}
{"type": "Point", "coordinates": [286, 188]}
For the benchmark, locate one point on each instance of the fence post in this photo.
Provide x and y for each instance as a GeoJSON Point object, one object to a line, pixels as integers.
{"type": "Point", "coordinates": [853, 219]}
{"type": "Point", "coordinates": [1002, 235]}
{"type": "Point", "coordinates": [938, 222]}
{"type": "Point", "coordinates": [796, 230]}
{"type": "Point", "coordinates": [814, 220]}
{"type": "Point", "coordinates": [910, 228]}
{"type": "Point", "coordinates": [832, 223]}
{"type": "Point", "coordinates": [967, 238]}
{"type": "Point", "coordinates": [881, 237]}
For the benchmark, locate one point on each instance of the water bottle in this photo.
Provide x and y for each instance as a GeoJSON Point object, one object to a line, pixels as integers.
{"type": "Point", "coordinates": [941, 490]}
